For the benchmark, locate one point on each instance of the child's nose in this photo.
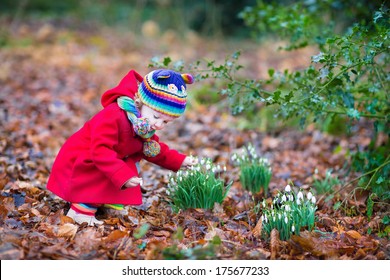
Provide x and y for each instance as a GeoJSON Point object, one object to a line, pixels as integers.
{"type": "Point", "coordinates": [159, 125]}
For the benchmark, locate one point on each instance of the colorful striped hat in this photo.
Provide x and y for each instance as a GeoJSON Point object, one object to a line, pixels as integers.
{"type": "Point", "coordinates": [165, 91]}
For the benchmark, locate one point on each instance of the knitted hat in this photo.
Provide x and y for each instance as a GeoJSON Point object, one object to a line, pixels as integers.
{"type": "Point", "coordinates": [165, 91]}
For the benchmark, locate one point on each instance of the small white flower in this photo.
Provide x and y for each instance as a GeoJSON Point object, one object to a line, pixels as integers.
{"type": "Point", "coordinates": [313, 200]}
{"type": "Point", "coordinates": [286, 220]}
{"type": "Point", "coordinates": [263, 203]}
{"type": "Point", "coordinates": [298, 202]}
{"type": "Point", "coordinates": [300, 196]}
{"type": "Point", "coordinates": [292, 228]}
{"type": "Point", "coordinates": [284, 198]}
{"type": "Point", "coordinates": [287, 207]}
{"type": "Point", "coordinates": [309, 195]}
{"type": "Point", "coordinates": [291, 197]}
{"type": "Point", "coordinates": [266, 219]}
{"type": "Point", "coordinates": [224, 168]}
{"type": "Point", "coordinates": [287, 188]}
{"type": "Point", "coordinates": [208, 167]}
{"type": "Point", "coordinates": [279, 216]}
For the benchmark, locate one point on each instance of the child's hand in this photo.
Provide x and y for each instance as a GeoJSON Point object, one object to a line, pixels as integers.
{"type": "Point", "coordinates": [133, 182]}
{"type": "Point", "coordinates": [189, 161]}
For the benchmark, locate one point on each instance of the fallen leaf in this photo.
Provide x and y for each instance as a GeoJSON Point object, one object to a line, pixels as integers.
{"type": "Point", "coordinates": [257, 229]}
{"type": "Point", "coordinates": [274, 243]}
{"type": "Point", "coordinates": [67, 230]}
{"type": "Point", "coordinates": [354, 234]}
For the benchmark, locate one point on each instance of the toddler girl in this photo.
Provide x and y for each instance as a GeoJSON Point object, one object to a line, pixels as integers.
{"type": "Point", "coordinates": [98, 165]}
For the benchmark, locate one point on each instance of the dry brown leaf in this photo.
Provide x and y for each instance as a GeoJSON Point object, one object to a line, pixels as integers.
{"type": "Point", "coordinates": [67, 230]}
{"type": "Point", "coordinates": [274, 243]}
{"type": "Point", "coordinates": [115, 235]}
{"type": "Point", "coordinates": [354, 234]}
{"type": "Point", "coordinates": [257, 229]}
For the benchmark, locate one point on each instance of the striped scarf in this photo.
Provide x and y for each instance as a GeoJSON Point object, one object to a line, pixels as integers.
{"type": "Point", "coordinates": [141, 126]}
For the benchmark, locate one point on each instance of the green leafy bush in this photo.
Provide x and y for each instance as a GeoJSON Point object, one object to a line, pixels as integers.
{"type": "Point", "coordinates": [199, 187]}
{"type": "Point", "coordinates": [255, 171]}
{"type": "Point", "coordinates": [288, 213]}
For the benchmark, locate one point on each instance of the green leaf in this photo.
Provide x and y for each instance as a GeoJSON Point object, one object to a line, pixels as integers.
{"type": "Point", "coordinates": [141, 231]}
{"type": "Point", "coordinates": [271, 72]}
{"type": "Point", "coordinates": [167, 60]}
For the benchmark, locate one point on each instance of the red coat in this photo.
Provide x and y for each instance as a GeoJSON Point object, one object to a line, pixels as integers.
{"type": "Point", "coordinates": [97, 160]}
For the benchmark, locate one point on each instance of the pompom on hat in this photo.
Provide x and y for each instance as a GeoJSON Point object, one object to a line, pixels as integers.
{"type": "Point", "coordinates": [165, 91]}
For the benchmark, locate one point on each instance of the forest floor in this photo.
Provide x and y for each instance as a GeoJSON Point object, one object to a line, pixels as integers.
{"type": "Point", "coordinates": [51, 82]}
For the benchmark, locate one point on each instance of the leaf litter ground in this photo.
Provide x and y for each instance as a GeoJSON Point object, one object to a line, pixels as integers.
{"type": "Point", "coordinates": [49, 90]}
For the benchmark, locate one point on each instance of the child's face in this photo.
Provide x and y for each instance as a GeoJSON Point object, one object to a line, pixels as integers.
{"type": "Point", "coordinates": [157, 120]}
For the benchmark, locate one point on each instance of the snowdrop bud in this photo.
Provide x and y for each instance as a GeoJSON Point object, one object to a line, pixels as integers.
{"type": "Point", "coordinates": [291, 197]}
{"type": "Point", "coordinates": [309, 195]}
{"type": "Point", "coordinates": [287, 207]}
{"type": "Point", "coordinates": [284, 198]}
{"type": "Point", "coordinates": [292, 228]}
{"type": "Point", "coordinates": [279, 216]}
{"type": "Point", "coordinates": [298, 202]}
{"type": "Point", "coordinates": [224, 168]}
{"type": "Point", "coordinates": [313, 200]}
{"type": "Point", "coordinates": [287, 188]}
{"type": "Point", "coordinates": [263, 203]}
{"type": "Point", "coordinates": [286, 220]}
{"type": "Point", "coordinates": [266, 219]}
{"type": "Point", "coordinates": [208, 167]}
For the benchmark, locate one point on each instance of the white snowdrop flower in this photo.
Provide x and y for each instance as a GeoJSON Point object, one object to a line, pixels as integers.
{"type": "Point", "coordinates": [287, 188]}
{"type": "Point", "coordinates": [279, 216]}
{"type": "Point", "coordinates": [286, 220]}
{"type": "Point", "coordinates": [273, 213]}
{"type": "Point", "coordinates": [284, 198]}
{"type": "Point", "coordinates": [262, 218]}
{"type": "Point", "coordinates": [224, 168]}
{"type": "Point", "coordinates": [208, 167]}
{"type": "Point", "coordinates": [287, 207]}
{"type": "Point", "coordinates": [300, 196]}
{"type": "Point", "coordinates": [313, 200]}
{"type": "Point", "coordinates": [316, 171]}
{"type": "Point", "coordinates": [291, 197]}
{"type": "Point", "coordinates": [168, 192]}
{"type": "Point", "coordinates": [263, 203]}
{"type": "Point", "coordinates": [292, 228]}
{"type": "Point", "coordinates": [298, 202]}
{"type": "Point", "coordinates": [266, 219]}
{"type": "Point", "coordinates": [202, 161]}
{"type": "Point", "coordinates": [273, 218]}
{"type": "Point", "coordinates": [309, 195]}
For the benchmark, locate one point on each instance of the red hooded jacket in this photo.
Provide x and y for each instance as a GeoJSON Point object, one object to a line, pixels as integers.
{"type": "Point", "coordinates": [97, 160]}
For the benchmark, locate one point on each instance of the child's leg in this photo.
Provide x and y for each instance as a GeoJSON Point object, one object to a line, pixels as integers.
{"type": "Point", "coordinates": [84, 213]}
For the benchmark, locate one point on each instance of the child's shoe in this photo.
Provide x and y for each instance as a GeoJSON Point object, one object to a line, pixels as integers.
{"type": "Point", "coordinates": [82, 218]}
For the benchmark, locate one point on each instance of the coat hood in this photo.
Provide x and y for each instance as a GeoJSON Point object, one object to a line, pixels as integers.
{"type": "Point", "coordinates": [128, 86]}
